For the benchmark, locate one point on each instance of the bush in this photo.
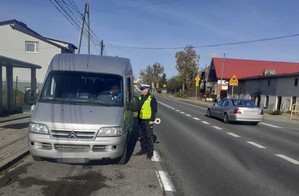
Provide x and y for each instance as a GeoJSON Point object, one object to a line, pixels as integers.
{"type": "Point", "coordinates": [276, 112]}
{"type": "Point", "coordinates": [181, 95]}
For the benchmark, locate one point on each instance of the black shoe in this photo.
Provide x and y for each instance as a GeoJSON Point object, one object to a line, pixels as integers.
{"type": "Point", "coordinates": [141, 152]}
{"type": "Point", "coordinates": [149, 156]}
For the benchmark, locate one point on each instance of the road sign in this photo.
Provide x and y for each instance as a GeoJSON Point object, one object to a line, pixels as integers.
{"type": "Point", "coordinates": [233, 81]}
{"type": "Point", "coordinates": [197, 79]}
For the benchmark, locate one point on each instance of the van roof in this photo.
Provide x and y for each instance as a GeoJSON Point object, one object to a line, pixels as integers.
{"type": "Point", "coordinates": [91, 63]}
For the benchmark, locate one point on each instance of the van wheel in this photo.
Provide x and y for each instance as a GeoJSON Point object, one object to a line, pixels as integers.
{"type": "Point", "coordinates": [225, 118]}
{"type": "Point", "coordinates": [123, 159]}
{"type": "Point", "coordinates": [36, 158]}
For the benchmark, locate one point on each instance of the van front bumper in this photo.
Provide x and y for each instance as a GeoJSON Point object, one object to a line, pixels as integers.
{"type": "Point", "coordinates": [101, 148]}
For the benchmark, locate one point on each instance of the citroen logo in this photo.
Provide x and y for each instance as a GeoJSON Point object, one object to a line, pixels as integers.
{"type": "Point", "coordinates": [73, 135]}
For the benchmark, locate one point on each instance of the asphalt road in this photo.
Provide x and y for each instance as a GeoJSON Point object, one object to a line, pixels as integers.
{"type": "Point", "coordinates": [204, 156]}
{"type": "Point", "coordinates": [200, 155]}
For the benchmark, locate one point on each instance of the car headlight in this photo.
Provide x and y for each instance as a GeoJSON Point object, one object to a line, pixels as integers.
{"type": "Point", "coordinates": [110, 131]}
{"type": "Point", "coordinates": [38, 128]}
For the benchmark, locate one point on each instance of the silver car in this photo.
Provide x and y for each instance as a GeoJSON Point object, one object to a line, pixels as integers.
{"type": "Point", "coordinates": [232, 110]}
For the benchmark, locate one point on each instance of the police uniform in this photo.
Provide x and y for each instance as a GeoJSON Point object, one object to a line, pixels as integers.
{"type": "Point", "coordinates": [146, 114]}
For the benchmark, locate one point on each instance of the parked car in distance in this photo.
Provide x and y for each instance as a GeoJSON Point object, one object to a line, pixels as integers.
{"type": "Point", "coordinates": [233, 110]}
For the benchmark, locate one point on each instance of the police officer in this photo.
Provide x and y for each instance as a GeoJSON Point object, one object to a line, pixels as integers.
{"type": "Point", "coordinates": [146, 117]}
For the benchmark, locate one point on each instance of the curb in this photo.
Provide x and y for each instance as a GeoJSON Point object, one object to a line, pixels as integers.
{"type": "Point", "coordinates": [13, 159]}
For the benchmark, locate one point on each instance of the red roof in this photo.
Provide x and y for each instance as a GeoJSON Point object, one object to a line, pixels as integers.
{"type": "Point", "coordinates": [250, 68]}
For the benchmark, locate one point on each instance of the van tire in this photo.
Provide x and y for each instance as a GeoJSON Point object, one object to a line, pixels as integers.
{"type": "Point", "coordinates": [123, 159]}
{"type": "Point", "coordinates": [36, 158]}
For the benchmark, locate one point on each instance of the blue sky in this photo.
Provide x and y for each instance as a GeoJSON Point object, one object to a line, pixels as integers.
{"type": "Point", "coordinates": [150, 31]}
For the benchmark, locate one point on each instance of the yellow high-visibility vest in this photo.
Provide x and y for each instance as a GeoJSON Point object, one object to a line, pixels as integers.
{"type": "Point", "coordinates": [146, 110]}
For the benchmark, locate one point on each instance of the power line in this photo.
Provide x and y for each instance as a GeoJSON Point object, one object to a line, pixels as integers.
{"type": "Point", "coordinates": [205, 46]}
{"type": "Point", "coordinates": [138, 6]}
{"type": "Point", "coordinates": [71, 12]}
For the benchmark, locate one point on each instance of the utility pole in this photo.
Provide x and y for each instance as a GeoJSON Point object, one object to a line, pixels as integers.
{"type": "Point", "coordinates": [88, 28]}
{"type": "Point", "coordinates": [102, 47]}
{"type": "Point", "coordinates": [220, 86]}
{"type": "Point", "coordinates": [86, 11]}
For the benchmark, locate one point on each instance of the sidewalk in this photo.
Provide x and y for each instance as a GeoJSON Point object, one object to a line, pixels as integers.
{"type": "Point", "coordinates": [13, 138]}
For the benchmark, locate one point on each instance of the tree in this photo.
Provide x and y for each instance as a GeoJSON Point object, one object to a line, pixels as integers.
{"type": "Point", "coordinates": [187, 66]}
{"type": "Point", "coordinates": [163, 80]}
{"type": "Point", "coordinates": [152, 73]}
{"type": "Point", "coordinates": [173, 85]}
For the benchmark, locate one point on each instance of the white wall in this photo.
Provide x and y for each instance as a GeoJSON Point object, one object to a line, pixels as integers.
{"type": "Point", "coordinates": [12, 44]}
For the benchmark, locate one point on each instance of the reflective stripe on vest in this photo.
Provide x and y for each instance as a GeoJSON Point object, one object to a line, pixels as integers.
{"type": "Point", "coordinates": [146, 110]}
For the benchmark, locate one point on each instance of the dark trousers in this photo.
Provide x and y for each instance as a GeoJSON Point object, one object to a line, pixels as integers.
{"type": "Point", "coordinates": [146, 137]}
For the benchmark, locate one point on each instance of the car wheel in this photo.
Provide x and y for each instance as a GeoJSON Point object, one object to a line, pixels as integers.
{"type": "Point", "coordinates": [209, 113]}
{"type": "Point", "coordinates": [225, 118]}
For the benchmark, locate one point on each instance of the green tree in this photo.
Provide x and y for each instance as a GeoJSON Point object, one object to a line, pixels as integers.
{"type": "Point", "coordinates": [187, 66]}
{"type": "Point", "coordinates": [174, 84]}
{"type": "Point", "coordinates": [152, 73]}
{"type": "Point", "coordinates": [163, 80]}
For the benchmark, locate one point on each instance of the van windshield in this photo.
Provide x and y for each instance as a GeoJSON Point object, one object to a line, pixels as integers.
{"type": "Point", "coordinates": [70, 87]}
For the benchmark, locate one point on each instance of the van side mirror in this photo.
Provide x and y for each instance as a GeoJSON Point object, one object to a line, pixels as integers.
{"type": "Point", "coordinates": [29, 98]}
{"type": "Point", "coordinates": [136, 104]}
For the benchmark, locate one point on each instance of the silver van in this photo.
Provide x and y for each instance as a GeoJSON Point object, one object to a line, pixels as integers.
{"type": "Point", "coordinates": [85, 109]}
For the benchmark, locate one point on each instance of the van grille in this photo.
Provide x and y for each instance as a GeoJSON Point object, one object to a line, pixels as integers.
{"type": "Point", "coordinates": [71, 148]}
{"type": "Point", "coordinates": [73, 135]}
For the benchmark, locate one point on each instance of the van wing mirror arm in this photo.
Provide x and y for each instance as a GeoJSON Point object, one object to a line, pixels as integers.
{"type": "Point", "coordinates": [29, 98]}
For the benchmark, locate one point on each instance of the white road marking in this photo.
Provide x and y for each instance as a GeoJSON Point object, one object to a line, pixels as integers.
{"type": "Point", "coordinates": [177, 110]}
{"type": "Point", "coordinates": [205, 122]}
{"type": "Point", "coordinates": [255, 144]}
{"type": "Point", "coordinates": [166, 105]}
{"type": "Point", "coordinates": [165, 181]}
{"type": "Point", "coordinates": [182, 112]}
{"type": "Point", "coordinates": [270, 125]}
{"type": "Point", "coordinates": [288, 159]}
{"type": "Point", "coordinates": [156, 157]}
{"type": "Point", "coordinates": [196, 118]}
{"type": "Point", "coordinates": [232, 134]}
{"type": "Point", "coordinates": [188, 114]}
{"type": "Point", "coordinates": [217, 127]}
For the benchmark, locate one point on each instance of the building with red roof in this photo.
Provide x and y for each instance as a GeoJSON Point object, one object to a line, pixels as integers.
{"type": "Point", "coordinates": [225, 68]}
{"type": "Point", "coordinates": [272, 85]}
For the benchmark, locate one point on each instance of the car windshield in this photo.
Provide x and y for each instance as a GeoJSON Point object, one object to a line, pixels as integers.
{"type": "Point", "coordinates": [243, 103]}
{"type": "Point", "coordinates": [72, 87]}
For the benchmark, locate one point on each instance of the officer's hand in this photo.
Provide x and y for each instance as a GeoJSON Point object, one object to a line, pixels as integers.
{"type": "Point", "coordinates": [151, 122]}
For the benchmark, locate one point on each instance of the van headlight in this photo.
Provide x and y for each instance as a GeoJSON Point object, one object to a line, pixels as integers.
{"type": "Point", "coordinates": [110, 131]}
{"type": "Point", "coordinates": [38, 128]}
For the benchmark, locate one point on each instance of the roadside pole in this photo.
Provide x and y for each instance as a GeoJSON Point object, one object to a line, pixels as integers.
{"type": "Point", "coordinates": [197, 79]}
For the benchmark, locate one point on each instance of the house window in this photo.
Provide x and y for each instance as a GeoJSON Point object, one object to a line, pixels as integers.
{"type": "Point", "coordinates": [31, 47]}
{"type": "Point", "coordinates": [296, 82]}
